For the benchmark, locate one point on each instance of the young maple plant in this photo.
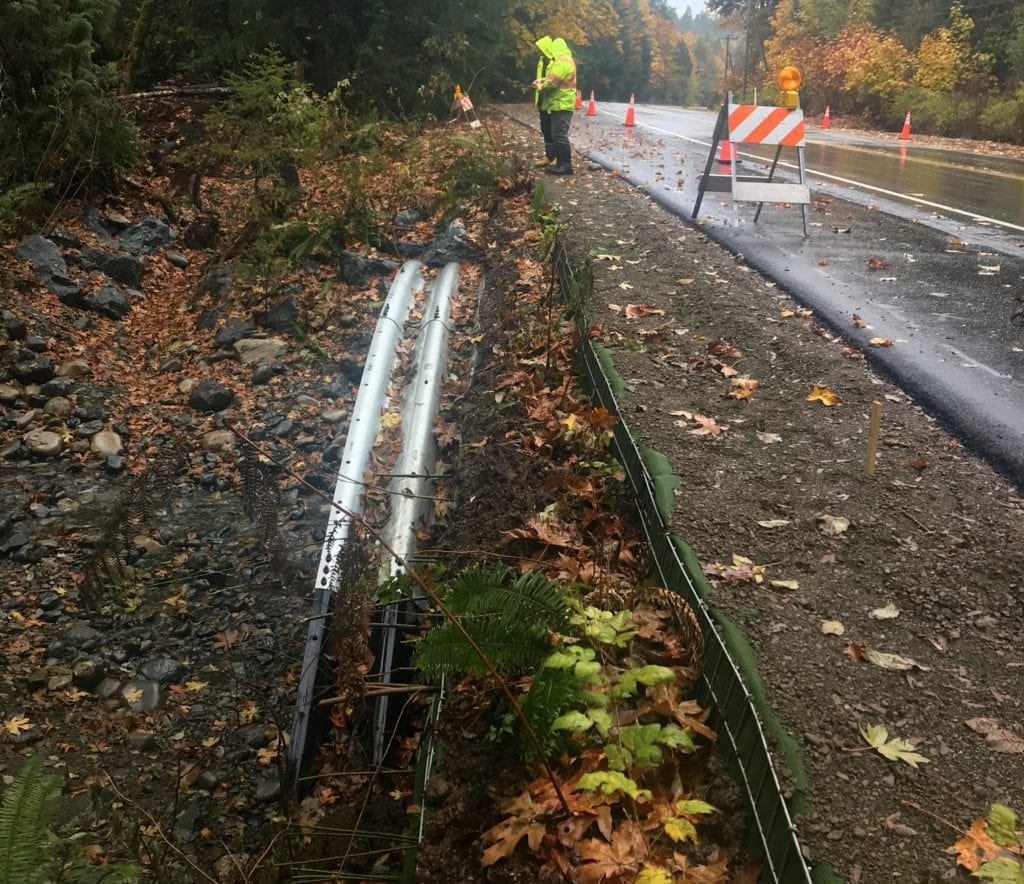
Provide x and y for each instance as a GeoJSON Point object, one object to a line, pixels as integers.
{"type": "Point", "coordinates": [623, 731]}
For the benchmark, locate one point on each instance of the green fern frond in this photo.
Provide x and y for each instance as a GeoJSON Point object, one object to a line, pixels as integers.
{"type": "Point", "coordinates": [26, 842]}
{"type": "Point", "coordinates": [510, 618]}
{"type": "Point", "coordinates": [510, 644]}
{"type": "Point", "coordinates": [553, 692]}
{"type": "Point", "coordinates": [531, 596]}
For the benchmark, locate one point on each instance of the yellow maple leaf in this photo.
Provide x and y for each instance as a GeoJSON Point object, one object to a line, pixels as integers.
{"type": "Point", "coordinates": [654, 875]}
{"type": "Point", "coordinates": [266, 755]}
{"type": "Point", "coordinates": [177, 600]}
{"type": "Point", "coordinates": [132, 695]}
{"type": "Point", "coordinates": [742, 388]}
{"type": "Point", "coordinates": [823, 395]}
{"type": "Point", "coordinates": [196, 686]}
{"type": "Point", "coordinates": [16, 724]}
{"type": "Point", "coordinates": [390, 420]}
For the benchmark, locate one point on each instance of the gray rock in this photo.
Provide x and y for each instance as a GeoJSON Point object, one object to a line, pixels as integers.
{"type": "Point", "coordinates": [14, 541]}
{"type": "Point", "coordinates": [9, 449]}
{"type": "Point", "coordinates": [25, 738]}
{"type": "Point", "coordinates": [187, 820]}
{"type": "Point", "coordinates": [58, 387]}
{"type": "Point", "coordinates": [357, 270]}
{"type": "Point", "coordinates": [9, 394]}
{"type": "Point", "coordinates": [218, 440]}
{"type": "Point", "coordinates": [169, 364]}
{"type": "Point", "coordinates": [141, 740]}
{"type": "Point", "coordinates": [109, 301]}
{"type": "Point", "coordinates": [263, 373]}
{"type": "Point", "coordinates": [15, 329]}
{"type": "Point", "coordinates": [162, 669]}
{"type": "Point", "coordinates": [37, 369]}
{"type": "Point", "coordinates": [253, 351]}
{"type": "Point", "coordinates": [44, 256]}
{"type": "Point", "coordinates": [58, 406]}
{"type": "Point", "coordinates": [233, 330]}
{"type": "Point", "coordinates": [36, 344]}
{"type": "Point", "coordinates": [216, 283]}
{"type": "Point", "coordinates": [176, 259]}
{"type": "Point", "coordinates": [43, 443]}
{"type": "Point", "coordinates": [107, 688]}
{"type": "Point", "coordinates": [452, 245]}
{"type": "Point", "coordinates": [210, 396]}
{"type": "Point", "coordinates": [231, 868]}
{"type": "Point", "coordinates": [66, 238]}
{"type": "Point", "coordinates": [208, 780]}
{"type": "Point", "coordinates": [74, 368]}
{"type": "Point", "coordinates": [121, 268]}
{"type": "Point", "coordinates": [269, 789]}
{"type": "Point", "coordinates": [147, 236]}
{"type": "Point", "coordinates": [96, 223]}
{"type": "Point", "coordinates": [114, 464]}
{"type": "Point", "coordinates": [142, 695]}
{"type": "Point", "coordinates": [254, 736]}
{"type": "Point", "coordinates": [407, 219]}
{"type": "Point", "coordinates": [106, 443]}
{"type": "Point", "coordinates": [86, 674]}
{"type": "Point", "coordinates": [80, 634]}
{"type": "Point", "coordinates": [408, 250]}
{"type": "Point", "coordinates": [68, 292]}
{"type": "Point", "coordinates": [284, 315]}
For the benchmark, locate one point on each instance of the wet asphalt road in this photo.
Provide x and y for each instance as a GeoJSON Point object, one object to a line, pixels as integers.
{"type": "Point", "coordinates": [948, 285]}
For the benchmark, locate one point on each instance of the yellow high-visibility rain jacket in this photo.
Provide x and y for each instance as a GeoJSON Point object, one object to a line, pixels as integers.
{"type": "Point", "coordinates": [558, 92]}
{"type": "Point", "coordinates": [546, 57]}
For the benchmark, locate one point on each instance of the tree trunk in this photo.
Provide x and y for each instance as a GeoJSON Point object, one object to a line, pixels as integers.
{"type": "Point", "coordinates": [133, 51]}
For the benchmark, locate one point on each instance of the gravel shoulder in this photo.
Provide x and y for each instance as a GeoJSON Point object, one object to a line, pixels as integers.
{"type": "Point", "coordinates": [779, 480]}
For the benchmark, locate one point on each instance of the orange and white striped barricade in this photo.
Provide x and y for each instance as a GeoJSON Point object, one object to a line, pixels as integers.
{"type": "Point", "coordinates": [757, 124]}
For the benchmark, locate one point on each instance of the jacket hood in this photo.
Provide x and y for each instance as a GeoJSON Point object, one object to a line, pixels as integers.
{"type": "Point", "coordinates": [544, 44]}
{"type": "Point", "coordinates": [560, 47]}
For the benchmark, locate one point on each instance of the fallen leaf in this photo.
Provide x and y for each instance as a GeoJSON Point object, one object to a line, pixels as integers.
{"type": "Point", "coordinates": [975, 848]}
{"type": "Point", "coordinates": [742, 388]}
{"type": "Point", "coordinates": [892, 822]}
{"type": "Point", "coordinates": [784, 584]}
{"type": "Point", "coordinates": [608, 257]}
{"type": "Point", "coordinates": [832, 627]}
{"type": "Point", "coordinates": [635, 311]}
{"type": "Point", "coordinates": [16, 724]}
{"type": "Point", "coordinates": [391, 420]}
{"type": "Point", "coordinates": [855, 650]}
{"type": "Point", "coordinates": [769, 438]}
{"type": "Point", "coordinates": [707, 426]}
{"type": "Point", "coordinates": [832, 526]}
{"type": "Point", "coordinates": [786, 314]}
{"type": "Point", "coordinates": [997, 738]}
{"type": "Point", "coordinates": [823, 395]}
{"type": "Point", "coordinates": [875, 263]}
{"type": "Point", "coordinates": [893, 661]}
{"type": "Point", "coordinates": [625, 285]}
{"type": "Point", "coordinates": [880, 342]}
{"type": "Point", "coordinates": [889, 612]}
{"type": "Point", "coordinates": [858, 322]}
{"type": "Point", "coordinates": [774, 523]}
{"type": "Point", "coordinates": [877, 736]}
{"type": "Point", "coordinates": [685, 281]}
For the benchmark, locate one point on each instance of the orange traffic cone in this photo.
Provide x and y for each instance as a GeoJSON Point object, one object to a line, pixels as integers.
{"type": "Point", "coordinates": [579, 100]}
{"type": "Point", "coordinates": [631, 112]}
{"type": "Point", "coordinates": [826, 121]}
{"type": "Point", "coordinates": [726, 153]}
{"type": "Point", "coordinates": [905, 134]}
{"type": "Point", "coordinates": [591, 105]}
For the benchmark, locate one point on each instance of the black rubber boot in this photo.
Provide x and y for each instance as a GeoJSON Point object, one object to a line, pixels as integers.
{"type": "Point", "coordinates": [564, 164]}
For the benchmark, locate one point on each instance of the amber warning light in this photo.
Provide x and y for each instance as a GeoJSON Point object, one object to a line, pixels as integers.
{"type": "Point", "coordinates": [789, 84]}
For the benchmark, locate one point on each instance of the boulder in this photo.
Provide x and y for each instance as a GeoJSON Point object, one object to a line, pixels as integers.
{"type": "Point", "coordinates": [233, 330]}
{"type": "Point", "coordinates": [106, 443]}
{"type": "Point", "coordinates": [357, 270]}
{"type": "Point", "coordinates": [284, 315]}
{"type": "Point", "coordinates": [109, 301]}
{"type": "Point", "coordinates": [253, 351]}
{"type": "Point", "coordinates": [147, 236]}
{"type": "Point", "coordinates": [125, 269]}
{"type": "Point", "coordinates": [210, 396]}
{"type": "Point", "coordinates": [74, 368]}
{"type": "Point", "coordinates": [44, 256]}
{"type": "Point", "coordinates": [43, 443]}
{"type": "Point", "coordinates": [452, 245]}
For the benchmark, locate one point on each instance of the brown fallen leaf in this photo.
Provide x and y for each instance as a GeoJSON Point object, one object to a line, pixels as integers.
{"type": "Point", "coordinates": [876, 263]}
{"type": "Point", "coordinates": [855, 650]}
{"type": "Point", "coordinates": [997, 738]}
{"type": "Point", "coordinates": [707, 426]}
{"type": "Point", "coordinates": [832, 627]}
{"type": "Point", "coordinates": [880, 342]}
{"type": "Point", "coordinates": [976, 847]}
{"type": "Point", "coordinates": [635, 311]}
{"type": "Point", "coordinates": [823, 395]}
{"type": "Point", "coordinates": [858, 322]}
{"type": "Point", "coordinates": [892, 822]}
{"type": "Point", "coordinates": [742, 388]}
{"type": "Point", "coordinates": [893, 662]}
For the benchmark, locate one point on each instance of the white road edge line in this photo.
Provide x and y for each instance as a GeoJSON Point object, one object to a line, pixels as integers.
{"type": "Point", "coordinates": [901, 196]}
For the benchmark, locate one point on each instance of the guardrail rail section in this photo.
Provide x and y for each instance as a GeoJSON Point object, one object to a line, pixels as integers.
{"type": "Point", "coordinates": [742, 742]}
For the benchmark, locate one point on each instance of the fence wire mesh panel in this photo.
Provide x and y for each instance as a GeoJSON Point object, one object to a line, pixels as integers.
{"type": "Point", "coordinates": [741, 739]}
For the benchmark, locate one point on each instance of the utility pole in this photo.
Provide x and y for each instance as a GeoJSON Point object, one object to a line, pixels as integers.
{"type": "Point", "coordinates": [728, 61]}
{"type": "Point", "coordinates": [746, 47]}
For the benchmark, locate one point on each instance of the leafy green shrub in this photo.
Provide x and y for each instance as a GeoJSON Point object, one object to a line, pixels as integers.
{"type": "Point", "coordinates": [58, 125]}
{"type": "Point", "coordinates": [1003, 118]}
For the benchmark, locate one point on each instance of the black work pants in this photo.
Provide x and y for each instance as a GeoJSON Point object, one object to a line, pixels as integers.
{"type": "Point", "coordinates": [545, 130]}
{"type": "Point", "coordinates": [560, 123]}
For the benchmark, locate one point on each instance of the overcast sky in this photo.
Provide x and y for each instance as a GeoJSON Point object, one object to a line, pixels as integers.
{"type": "Point", "coordinates": [695, 6]}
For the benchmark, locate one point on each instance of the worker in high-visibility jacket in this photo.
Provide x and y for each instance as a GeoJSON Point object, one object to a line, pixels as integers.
{"type": "Point", "coordinates": [558, 98]}
{"type": "Point", "coordinates": [546, 57]}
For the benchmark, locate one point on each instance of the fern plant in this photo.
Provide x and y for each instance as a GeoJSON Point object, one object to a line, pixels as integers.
{"type": "Point", "coordinates": [510, 619]}
{"type": "Point", "coordinates": [26, 842]}
{"type": "Point", "coordinates": [30, 853]}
